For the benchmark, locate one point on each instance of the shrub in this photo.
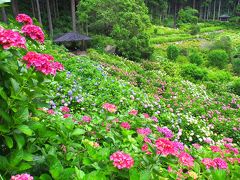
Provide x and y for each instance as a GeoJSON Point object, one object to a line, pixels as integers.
{"type": "Point", "coordinates": [172, 52]}
{"type": "Point", "coordinates": [218, 58]}
{"type": "Point", "coordinates": [188, 15]}
{"type": "Point", "coordinates": [223, 43]}
{"type": "Point", "coordinates": [196, 58]}
{"type": "Point", "coordinates": [195, 29]}
{"type": "Point", "coordinates": [193, 73]}
{"type": "Point", "coordinates": [235, 86]}
{"type": "Point", "coordinates": [236, 66]}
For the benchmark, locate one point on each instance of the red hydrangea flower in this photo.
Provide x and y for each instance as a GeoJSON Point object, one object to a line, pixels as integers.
{"type": "Point", "coordinates": [42, 62]}
{"type": "Point", "coordinates": [22, 177]}
{"type": "Point", "coordinates": [9, 38]}
{"type": "Point", "coordinates": [34, 32]}
{"type": "Point", "coordinates": [209, 163]}
{"type": "Point", "coordinates": [186, 159]}
{"type": "Point", "coordinates": [133, 112]}
{"type": "Point", "coordinates": [145, 149]}
{"type": "Point", "coordinates": [144, 131]}
{"type": "Point", "coordinates": [122, 160]}
{"type": "Point", "coordinates": [86, 119]}
{"type": "Point", "coordinates": [125, 125]}
{"type": "Point", "coordinates": [165, 147]}
{"type": "Point", "coordinates": [25, 19]}
{"type": "Point", "coordinates": [221, 164]}
{"type": "Point", "coordinates": [110, 107]}
{"type": "Point", "coordinates": [67, 115]}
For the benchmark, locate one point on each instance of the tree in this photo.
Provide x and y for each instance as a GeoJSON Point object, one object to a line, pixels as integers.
{"type": "Point", "coordinates": [188, 15]}
{"type": "Point", "coordinates": [15, 7]}
{"type": "Point", "coordinates": [73, 16]}
{"type": "Point", "coordinates": [124, 21]}
{"type": "Point", "coordinates": [4, 15]}
{"type": "Point", "coordinates": [39, 12]}
{"type": "Point", "coordinates": [49, 19]}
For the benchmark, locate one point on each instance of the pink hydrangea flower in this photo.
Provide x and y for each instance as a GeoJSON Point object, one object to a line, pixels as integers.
{"type": "Point", "coordinates": [122, 160]}
{"type": "Point", "coordinates": [133, 112]}
{"type": "Point", "coordinates": [42, 63]}
{"type": "Point", "coordinates": [9, 38]}
{"type": "Point", "coordinates": [165, 147]}
{"type": "Point", "coordinates": [209, 163]}
{"type": "Point", "coordinates": [215, 149]}
{"type": "Point", "coordinates": [34, 32]}
{"type": "Point", "coordinates": [178, 146]}
{"type": "Point", "coordinates": [229, 140]}
{"type": "Point", "coordinates": [65, 109]}
{"type": "Point", "coordinates": [221, 164]}
{"type": "Point", "coordinates": [67, 115]}
{"type": "Point", "coordinates": [110, 107]}
{"type": "Point", "coordinates": [145, 149]}
{"type": "Point", "coordinates": [23, 18]}
{"type": "Point", "coordinates": [167, 132]}
{"type": "Point", "coordinates": [86, 119]}
{"type": "Point", "coordinates": [22, 177]}
{"type": "Point", "coordinates": [186, 159]}
{"type": "Point", "coordinates": [144, 131]}
{"type": "Point", "coordinates": [196, 145]}
{"type": "Point", "coordinates": [155, 119]}
{"type": "Point", "coordinates": [50, 111]}
{"type": "Point", "coordinates": [146, 115]}
{"type": "Point", "coordinates": [147, 140]}
{"type": "Point", "coordinates": [125, 125]}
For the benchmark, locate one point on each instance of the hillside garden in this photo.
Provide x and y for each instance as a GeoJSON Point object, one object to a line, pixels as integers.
{"type": "Point", "coordinates": [102, 116]}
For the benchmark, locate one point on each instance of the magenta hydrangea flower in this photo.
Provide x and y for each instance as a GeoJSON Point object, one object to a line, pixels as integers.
{"type": "Point", "coordinates": [133, 112]}
{"type": "Point", "coordinates": [209, 163]}
{"type": "Point", "coordinates": [215, 149]}
{"type": "Point", "coordinates": [167, 132]}
{"type": "Point", "coordinates": [221, 164]}
{"type": "Point", "coordinates": [122, 160]}
{"type": "Point", "coordinates": [178, 146]}
{"type": "Point", "coordinates": [66, 115]}
{"type": "Point", "coordinates": [23, 18]}
{"type": "Point", "coordinates": [65, 109]}
{"type": "Point", "coordinates": [9, 38]}
{"type": "Point", "coordinates": [22, 177]}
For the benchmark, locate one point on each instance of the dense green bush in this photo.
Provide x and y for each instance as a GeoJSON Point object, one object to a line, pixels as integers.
{"type": "Point", "coordinates": [235, 86]}
{"type": "Point", "coordinates": [100, 41]}
{"type": "Point", "coordinates": [236, 66]}
{"type": "Point", "coordinates": [172, 52]}
{"type": "Point", "coordinates": [218, 58]}
{"type": "Point", "coordinates": [187, 15]}
{"type": "Point", "coordinates": [196, 58]}
{"type": "Point", "coordinates": [195, 29]}
{"type": "Point", "coordinates": [223, 43]}
{"type": "Point", "coordinates": [193, 73]}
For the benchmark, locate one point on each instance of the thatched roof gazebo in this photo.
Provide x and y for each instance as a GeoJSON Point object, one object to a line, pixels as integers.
{"type": "Point", "coordinates": [224, 17]}
{"type": "Point", "coordinates": [73, 37]}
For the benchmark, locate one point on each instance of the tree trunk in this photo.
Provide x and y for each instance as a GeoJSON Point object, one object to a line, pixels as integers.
{"type": "Point", "coordinates": [57, 10]}
{"type": "Point", "coordinates": [175, 14]}
{"type": "Point", "coordinates": [219, 8]}
{"type": "Point", "coordinates": [49, 19]}
{"type": "Point", "coordinates": [205, 12]}
{"type": "Point", "coordinates": [73, 16]}
{"type": "Point", "coordinates": [194, 4]}
{"type": "Point", "coordinates": [4, 15]}
{"type": "Point", "coordinates": [39, 12]}
{"type": "Point", "coordinates": [33, 8]}
{"type": "Point", "coordinates": [15, 8]}
{"type": "Point", "coordinates": [214, 10]}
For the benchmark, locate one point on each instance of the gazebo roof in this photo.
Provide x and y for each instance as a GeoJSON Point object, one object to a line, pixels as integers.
{"type": "Point", "coordinates": [224, 16]}
{"type": "Point", "coordinates": [72, 36]}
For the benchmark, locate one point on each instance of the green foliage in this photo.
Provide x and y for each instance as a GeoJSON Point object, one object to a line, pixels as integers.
{"type": "Point", "coordinates": [218, 58]}
{"type": "Point", "coordinates": [235, 86]}
{"type": "Point", "coordinates": [100, 41]}
{"type": "Point", "coordinates": [125, 22]}
{"type": "Point", "coordinates": [188, 15]}
{"type": "Point", "coordinates": [236, 66]}
{"type": "Point", "coordinates": [193, 73]}
{"type": "Point", "coordinates": [196, 58]}
{"type": "Point", "coordinates": [223, 43]}
{"type": "Point", "coordinates": [172, 52]}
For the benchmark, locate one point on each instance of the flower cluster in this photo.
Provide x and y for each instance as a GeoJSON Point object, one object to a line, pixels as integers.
{"type": "Point", "coordinates": [167, 132]}
{"type": "Point", "coordinates": [125, 125]}
{"type": "Point", "coordinates": [9, 38]}
{"type": "Point", "coordinates": [110, 107]}
{"type": "Point", "coordinates": [217, 162]}
{"type": "Point", "coordinates": [144, 131]}
{"type": "Point", "coordinates": [122, 160]}
{"type": "Point", "coordinates": [22, 177]}
{"type": "Point", "coordinates": [34, 32]}
{"type": "Point", "coordinates": [165, 147]}
{"type": "Point", "coordinates": [25, 19]}
{"type": "Point", "coordinates": [86, 119]}
{"type": "Point", "coordinates": [133, 112]}
{"type": "Point", "coordinates": [43, 63]}
{"type": "Point", "coordinates": [186, 159]}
